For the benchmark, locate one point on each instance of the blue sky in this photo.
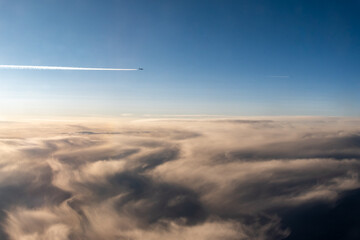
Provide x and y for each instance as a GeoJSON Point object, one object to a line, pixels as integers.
{"type": "Point", "coordinates": [200, 57]}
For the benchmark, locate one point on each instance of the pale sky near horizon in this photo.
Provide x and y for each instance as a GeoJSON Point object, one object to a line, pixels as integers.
{"type": "Point", "coordinates": [199, 57]}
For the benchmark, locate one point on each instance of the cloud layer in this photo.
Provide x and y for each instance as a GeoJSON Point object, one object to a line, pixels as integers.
{"type": "Point", "coordinates": [194, 179]}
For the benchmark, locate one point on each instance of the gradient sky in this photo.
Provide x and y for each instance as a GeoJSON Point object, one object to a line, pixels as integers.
{"type": "Point", "coordinates": [199, 57]}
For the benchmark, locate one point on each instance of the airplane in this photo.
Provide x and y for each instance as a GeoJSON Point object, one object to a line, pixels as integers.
{"type": "Point", "coordinates": [140, 68]}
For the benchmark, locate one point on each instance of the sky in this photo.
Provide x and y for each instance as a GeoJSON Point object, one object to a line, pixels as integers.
{"type": "Point", "coordinates": [213, 57]}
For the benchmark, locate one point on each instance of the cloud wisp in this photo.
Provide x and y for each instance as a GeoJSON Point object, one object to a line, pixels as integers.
{"type": "Point", "coordinates": [26, 67]}
{"type": "Point", "coordinates": [204, 179]}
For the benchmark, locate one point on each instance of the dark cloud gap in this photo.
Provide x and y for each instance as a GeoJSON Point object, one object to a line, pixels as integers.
{"type": "Point", "coordinates": [171, 133]}
{"type": "Point", "coordinates": [89, 155]}
{"type": "Point", "coordinates": [155, 159]}
{"type": "Point", "coordinates": [33, 192]}
{"type": "Point", "coordinates": [336, 147]}
{"type": "Point", "coordinates": [244, 121]}
{"type": "Point", "coordinates": [323, 221]}
{"type": "Point", "coordinates": [45, 148]}
{"type": "Point", "coordinates": [160, 201]}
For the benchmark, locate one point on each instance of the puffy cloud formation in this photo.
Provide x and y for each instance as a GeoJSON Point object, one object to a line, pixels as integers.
{"type": "Point", "coordinates": [180, 179]}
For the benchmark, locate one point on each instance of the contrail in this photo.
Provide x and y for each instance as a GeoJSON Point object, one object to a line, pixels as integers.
{"type": "Point", "coordinates": [65, 68]}
{"type": "Point", "coordinates": [280, 76]}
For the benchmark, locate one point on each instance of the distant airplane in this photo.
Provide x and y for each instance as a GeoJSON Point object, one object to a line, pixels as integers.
{"type": "Point", "coordinates": [140, 69]}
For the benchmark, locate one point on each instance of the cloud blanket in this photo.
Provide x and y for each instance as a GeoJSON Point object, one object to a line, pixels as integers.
{"type": "Point", "coordinates": [258, 179]}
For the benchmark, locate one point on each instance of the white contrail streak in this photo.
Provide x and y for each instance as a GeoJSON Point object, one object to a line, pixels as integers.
{"type": "Point", "coordinates": [64, 68]}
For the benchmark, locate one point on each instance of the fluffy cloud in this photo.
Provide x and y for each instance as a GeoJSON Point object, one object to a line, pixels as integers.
{"type": "Point", "coordinates": [167, 179]}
